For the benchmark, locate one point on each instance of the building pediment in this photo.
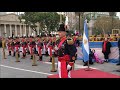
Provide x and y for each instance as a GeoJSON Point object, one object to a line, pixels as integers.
{"type": "Point", "coordinates": [9, 17]}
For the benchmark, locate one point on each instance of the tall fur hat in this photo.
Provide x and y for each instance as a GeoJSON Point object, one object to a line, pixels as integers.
{"type": "Point", "coordinates": [62, 27]}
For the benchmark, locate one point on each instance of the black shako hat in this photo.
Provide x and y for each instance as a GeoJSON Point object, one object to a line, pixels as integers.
{"type": "Point", "coordinates": [62, 27]}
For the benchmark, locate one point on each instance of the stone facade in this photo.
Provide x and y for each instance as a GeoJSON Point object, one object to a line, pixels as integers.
{"type": "Point", "coordinates": [10, 24]}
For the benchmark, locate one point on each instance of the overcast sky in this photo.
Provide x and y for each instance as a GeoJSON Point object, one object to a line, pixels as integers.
{"type": "Point", "coordinates": [118, 13]}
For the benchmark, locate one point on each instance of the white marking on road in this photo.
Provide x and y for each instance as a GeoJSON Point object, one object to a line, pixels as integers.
{"type": "Point", "coordinates": [25, 70]}
{"type": "Point", "coordinates": [76, 65]}
{"type": "Point", "coordinates": [50, 63]}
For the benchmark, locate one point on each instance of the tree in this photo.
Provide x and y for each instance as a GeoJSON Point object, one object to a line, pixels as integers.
{"type": "Point", "coordinates": [51, 21]}
{"type": "Point", "coordinates": [104, 24]}
{"type": "Point", "coordinates": [48, 20]}
{"type": "Point", "coordinates": [80, 14]}
{"type": "Point", "coordinates": [112, 14]}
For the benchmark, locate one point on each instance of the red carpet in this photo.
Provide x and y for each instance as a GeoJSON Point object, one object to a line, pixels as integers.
{"type": "Point", "coordinates": [81, 73]}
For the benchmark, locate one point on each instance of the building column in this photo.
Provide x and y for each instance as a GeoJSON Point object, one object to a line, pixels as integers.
{"type": "Point", "coordinates": [15, 30]}
{"type": "Point", "coordinates": [20, 31]}
{"type": "Point", "coordinates": [10, 30]}
{"type": "Point", "coordinates": [5, 30]}
{"type": "Point", "coordinates": [34, 33]}
{"type": "Point", "coordinates": [25, 29]}
{"type": "Point", "coordinates": [30, 31]}
{"type": "Point", "coordinates": [38, 28]}
{"type": "Point", "coordinates": [0, 30]}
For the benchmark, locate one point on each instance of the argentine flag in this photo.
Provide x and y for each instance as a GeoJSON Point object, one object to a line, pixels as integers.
{"type": "Point", "coordinates": [85, 43]}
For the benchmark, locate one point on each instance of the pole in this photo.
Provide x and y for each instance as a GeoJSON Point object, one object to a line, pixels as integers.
{"type": "Point", "coordinates": [3, 46]}
{"type": "Point", "coordinates": [53, 64]}
{"type": "Point", "coordinates": [34, 61]}
{"type": "Point", "coordinates": [88, 68]}
{"type": "Point", "coordinates": [53, 60]}
{"type": "Point", "coordinates": [60, 18]}
{"type": "Point", "coordinates": [16, 55]}
{"type": "Point", "coordinates": [79, 22]}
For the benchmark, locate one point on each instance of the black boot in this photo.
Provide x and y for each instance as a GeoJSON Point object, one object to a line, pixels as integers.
{"type": "Point", "coordinates": [18, 55]}
{"type": "Point", "coordinates": [23, 56]}
{"type": "Point", "coordinates": [50, 59]}
{"type": "Point", "coordinates": [40, 58]}
{"type": "Point", "coordinates": [85, 64]}
{"type": "Point", "coordinates": [13, 54]}
{"type": "Point", "coordinates": [118, 64]}
{"type": "Point", "coordinates": [9, 53]}
{"type": "Point", "coordinates": [31, 57]}
{"type": "Point", "coordinates": [76, 57]}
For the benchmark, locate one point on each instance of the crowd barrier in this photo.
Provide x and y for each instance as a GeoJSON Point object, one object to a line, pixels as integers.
{"type": "Point", "coordinates": [97, 46]}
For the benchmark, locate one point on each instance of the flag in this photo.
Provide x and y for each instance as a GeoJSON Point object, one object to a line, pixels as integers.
{"type": "Point", "coordinates": [85, 43]}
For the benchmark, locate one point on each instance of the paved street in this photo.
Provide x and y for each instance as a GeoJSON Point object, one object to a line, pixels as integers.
{"type": "Point", "coordinates": [24, 69]}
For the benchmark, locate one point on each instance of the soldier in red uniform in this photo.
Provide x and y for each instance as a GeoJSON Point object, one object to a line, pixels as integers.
{"type": "Point", "coordinates": [50, 46]}
{"type": "Point", "coordinates": [17, 46]}
{"type": "Point", "coordinates": [24, 46]}
{"type": "Point", "coordinates": [66, 51]}
{"type": "Point", "coordinates": [39, 47]}
{"type": "Point", "coordinates": [32, 45]}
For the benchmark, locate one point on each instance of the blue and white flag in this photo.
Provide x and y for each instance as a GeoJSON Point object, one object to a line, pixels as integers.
{"type": "Point", "coordinates": [85, 43]}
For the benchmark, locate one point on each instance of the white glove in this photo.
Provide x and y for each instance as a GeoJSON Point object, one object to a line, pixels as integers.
{"type": "Point", "coordinates": [56, 48]}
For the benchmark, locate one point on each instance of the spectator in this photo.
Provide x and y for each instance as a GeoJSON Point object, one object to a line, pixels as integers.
{"type": "Point", "coordinates": [106, 45]}
{"type": "Point", "coordinates": [119, 51]}
{"type": "Point", "coordinates": [96, 57]}
{"type": "Point", "coordinates": [90, 59]}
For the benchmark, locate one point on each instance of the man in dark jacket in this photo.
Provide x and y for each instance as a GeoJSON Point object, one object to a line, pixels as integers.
{"type": "Point", "coordinates": [106, 45]}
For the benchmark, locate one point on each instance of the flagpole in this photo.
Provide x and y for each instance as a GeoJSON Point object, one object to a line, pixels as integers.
{"type": "Point", "coordinates": [88, 68]}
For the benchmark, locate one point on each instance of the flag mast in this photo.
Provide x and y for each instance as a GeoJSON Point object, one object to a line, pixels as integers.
{"type": "Point", "coordinates": [86, 41]}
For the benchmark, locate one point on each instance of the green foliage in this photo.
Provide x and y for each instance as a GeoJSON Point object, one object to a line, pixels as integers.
{"type": "Point", "coordinates": [104, 24]}
{"type": "Point", "coordinates": [48, 20]}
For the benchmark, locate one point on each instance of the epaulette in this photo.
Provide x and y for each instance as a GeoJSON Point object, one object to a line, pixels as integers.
{"type": "Point", "coordinates": [70, 41]}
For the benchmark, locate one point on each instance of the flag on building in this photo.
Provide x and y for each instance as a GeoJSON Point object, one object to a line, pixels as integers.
{"type": "Point", "coordinates": [85, 43]}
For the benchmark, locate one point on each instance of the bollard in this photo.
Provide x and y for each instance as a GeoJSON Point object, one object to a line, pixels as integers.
{"type": "Point", "coordinates": [3, 46]}
{"type": "Point", "coordinates": [16, 55]}
{"type": "Point", "coordinates": [4, 54]}
{"type": "Point", "coordinates": [53, 65]}
{"type": "Point", "coordinates": [34, 61]}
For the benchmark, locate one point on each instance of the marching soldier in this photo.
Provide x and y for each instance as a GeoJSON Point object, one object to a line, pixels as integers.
{"type": "Point", "coordinates": [3, 46]}
{"type": "Point", "coordinates": [39, 47]}
{"type": "Point", "coordinates": [24, 46]}
{"type": "Point", "coordinates": [17, 46]}
{"type": "Point", "coordinates": [50, 46]}
{"type": "Point", "coordinates": [66, 53]}
{"type": "Point", "coordinates": [32, 45]}
{"type": "Point", "coordinates": [9, 46]}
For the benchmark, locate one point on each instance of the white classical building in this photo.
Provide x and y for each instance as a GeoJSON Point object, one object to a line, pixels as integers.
{"type": "Point", "coordinates": [10, 24]}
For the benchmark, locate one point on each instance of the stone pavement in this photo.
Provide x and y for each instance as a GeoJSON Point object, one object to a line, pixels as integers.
{"type": "Point", "coordinates": [24, 69]}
